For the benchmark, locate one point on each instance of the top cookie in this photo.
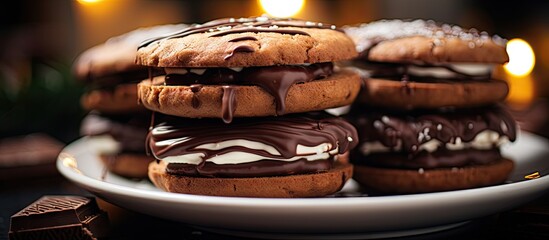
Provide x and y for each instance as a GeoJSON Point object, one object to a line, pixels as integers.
{"type": "Point", "coordinates": [426, 41]}
{"type": "Point", "coordinates": [245, 42]}
{"type": "Point", "coordinates": [114, 60]}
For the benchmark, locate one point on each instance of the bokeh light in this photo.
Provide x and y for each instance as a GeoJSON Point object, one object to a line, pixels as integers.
{"type": "Point", "coordinates": [89, 1]}
{"type": "Point", "coordinates": [282, 8]}
{"type": "Point", "coordinates": [521, 58]}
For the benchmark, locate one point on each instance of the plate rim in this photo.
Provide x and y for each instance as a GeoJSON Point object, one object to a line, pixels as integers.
{"type": "Point", "coordinates": [72, 173]}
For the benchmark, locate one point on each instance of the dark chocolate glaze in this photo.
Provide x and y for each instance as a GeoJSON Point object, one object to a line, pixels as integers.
{"type": "Point", "coordinates": [446, 127]}
{"type": "Point", "coordinates": [225, 26]}
{"type": "Point", "coordinates": [276, 80]}
{"type": "Point", "coordinates": [263, 168]}
{"type": "Point", "coordinates": [283, 133]}
{"type": "Point", "coordinates": [437, 159]}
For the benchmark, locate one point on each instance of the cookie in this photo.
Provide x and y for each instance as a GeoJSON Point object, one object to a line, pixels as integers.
{"type": "Point", "coordinates": [395, 40]}
{"type": "Point", "coordinates": [435, 142]}
{"type": "Point", "coordinates": [291, 186]}
{"type": "Point", "coordinates": [110, 72]}
{"type": "Point", "coordinates": [420, 62]}
{"type": "Point", "coordinates": [129, 133]}
{"type": "Point", "coordinates": [287, 156]}
{"type": "Point", "coordinates": [248, 67]}
{"type": "Point", "coordinates": [248, 42]}
{"type": "Point", "coordinates": [406, 181]}
{"type": "Point", "coordinates": [411, 95]}
{"type": "Point", "coordinates": [129, 165]}
{"type": "Point", "coordinates": [226, 102]}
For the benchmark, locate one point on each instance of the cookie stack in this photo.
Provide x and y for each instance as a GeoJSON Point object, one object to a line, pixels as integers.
{"type": "Point", "coordinates": [110, 76]}
{"type": "Point", "coordinates": [239, 110]}
{"type": "Point", "coordinates": [428, 115]}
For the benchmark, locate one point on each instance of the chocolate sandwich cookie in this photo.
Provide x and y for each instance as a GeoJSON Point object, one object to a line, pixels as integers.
{"type": "Point", "coordinates": [130, 132]}
{"type": "Point", "coordinates": [433, 150]}
{"type": "Point", "coordinates": [248, 67]}
{"type": "Point", "coordinates": [110, 73]}
{"type": "Point", "coordinates": [286, 156]}
{"type": "Point", "coordinates": [424, 64]}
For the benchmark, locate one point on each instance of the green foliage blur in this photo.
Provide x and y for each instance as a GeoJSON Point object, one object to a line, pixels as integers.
{"type": "Point", "coordinates": [44, 98]}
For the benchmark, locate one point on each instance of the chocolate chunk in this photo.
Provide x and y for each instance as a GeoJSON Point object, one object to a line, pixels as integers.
{"type": "Point", "coordinates": [28, 156]}
{"type": "Point", "coordinates": [60, 217]}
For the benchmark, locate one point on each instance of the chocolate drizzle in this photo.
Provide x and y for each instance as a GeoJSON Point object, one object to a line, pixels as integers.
{"type": "Point", "coordinates": [228, 104]}
{"type": "Point", "coordinates": [225, 26]}
{"type": "Point", "coordinates": [413, 129]}
{"type": "Point", "coordinates": [276, 80]}
{"type": "Point", "coordinates": [241, 48]}
{"type": "Point", "coordinates": [281, 133]}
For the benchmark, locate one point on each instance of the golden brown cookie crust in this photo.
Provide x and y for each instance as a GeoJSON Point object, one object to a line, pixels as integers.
{"type": "Point", "coordinates": [122, 99]}
{"type": "Point", "coordinates": [339, 89]}
{"type": "Point", "coordinates": [128, 165]}
{"type": "Point", "coordinates": [437, 50]}
{"type": "Point", "coordinates": [117, 54]}
{"type": "Point", "coordinates": [387, 180]}
{"type": "Point", "coordinates": [417, 95]}
{"type": "Point", "coordinates": [200, 50]}
{"type": "Point", "coordinates": [294, 186]}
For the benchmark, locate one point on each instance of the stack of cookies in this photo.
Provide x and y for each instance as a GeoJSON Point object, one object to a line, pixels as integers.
{"type": "Point", "coordinates": [428, 115]}
{"type": "Point", "coordinates": [110, 76]}
{"type": "Point", "coordinates": [239, 111]}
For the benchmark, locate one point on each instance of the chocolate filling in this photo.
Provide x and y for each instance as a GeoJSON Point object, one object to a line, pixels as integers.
{"type": "Point", "coordinates": [437, 159]}
{"type": "Point", "coordinates": [281, 133]}
{"type": "Point", "coordinates": [109, 82]}
{"type": "Point", "coordinates": [399, 72]}
{"type": "Point", "coordinates": [276, 80]}
{"type": "Point", "coordinates": [412, 129]}
{"type": "Point", "coordinates": [262, 168]}
{"type": "Point", "coordinates": [130, 131]}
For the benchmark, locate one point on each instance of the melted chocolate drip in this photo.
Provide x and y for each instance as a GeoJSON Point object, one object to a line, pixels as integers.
{"type": "Point", "coordinates": [276, 80]}
{"type": "Point", "coordinates": [282, 133]}
{"type": "Point", "coordinates": [415, 128]}
{"type": "Point", "coordinates": [228, 104]}
{"type": "Point", "coordinates": [195, 88]}
{"type": "Point", "coordinates": [241, 48]}
{"type": "Point", "coordinates": [222, 27]}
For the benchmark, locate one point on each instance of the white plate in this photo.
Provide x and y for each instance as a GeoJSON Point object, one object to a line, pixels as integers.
{"type": "Point", "coordinates": [342, 217]}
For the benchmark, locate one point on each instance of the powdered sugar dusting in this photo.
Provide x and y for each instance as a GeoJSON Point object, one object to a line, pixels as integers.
{"type": "Point", "coordinates": [367, 35]}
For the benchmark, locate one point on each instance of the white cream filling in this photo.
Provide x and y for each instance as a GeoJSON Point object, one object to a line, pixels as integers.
{"type": "Point", "coordinates": [319, 152]}
{"type": "Point", "coordinates": [483, 141]}
{"type": "Point", "coordinates": [441, 72]}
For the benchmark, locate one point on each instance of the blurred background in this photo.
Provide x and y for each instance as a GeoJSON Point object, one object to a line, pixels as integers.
{"type": "Point", "coordinates": [40, 40]}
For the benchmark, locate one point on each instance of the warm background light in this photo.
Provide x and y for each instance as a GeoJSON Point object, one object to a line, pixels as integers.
{"type": "Point", "coordinates": [282, 8]}
{"type": "Point", "coordinates": [521, 58]}
{"type": "Point", "coordinates": [89, 1]}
